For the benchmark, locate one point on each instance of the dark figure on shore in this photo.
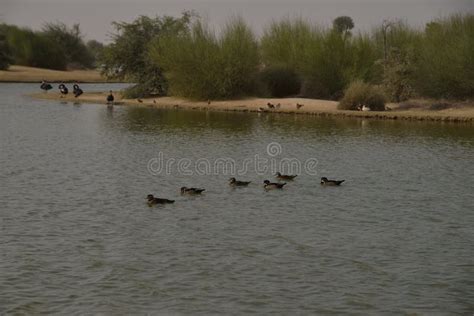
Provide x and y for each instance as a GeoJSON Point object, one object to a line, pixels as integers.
{"type": "Point", "coordinates": [63, 89]}
{"type": "Point", "coordinates": [110, 99]}
{"type": "Point", "coordinates": [270, 106]}
{"type": "Point", "coordinates": [299, 106]}
{"type": "Point", "coordinates": [45, 86]}
{"type": "Point", "coordinates": [76, 90]}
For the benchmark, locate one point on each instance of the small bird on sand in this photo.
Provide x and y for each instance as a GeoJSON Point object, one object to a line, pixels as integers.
{"type": "Point", "coordinates": [270, 106]}
{"type": "Point", "coordinates": [45, 86]}
{"type": "Point", "coordinates": [151, 200]}
{"type": "Point", "coordinates": [326, 181]}
{"type": "Point", "coordinates": [154, 101]}
{"type": "Point", "coordinates": [208, 102]}
{"type": "Point", "coordinates": [236, 183]}
{"type": "Point", "coordinates": [191, 191]}
{"type": "Point", "coordinates": [299, 106]}
{"type": "Point", "coordinates": [272, 185]}
{"type": "Point", "coordinates": [140, 100]}
{"type": "Point", "coordinates": [278, 106]}
{"type": "Point", "coordinates": [285, 176]}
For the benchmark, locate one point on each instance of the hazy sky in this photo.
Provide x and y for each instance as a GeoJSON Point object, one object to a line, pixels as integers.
{"type": "Point", "coordinates": [95, 16]}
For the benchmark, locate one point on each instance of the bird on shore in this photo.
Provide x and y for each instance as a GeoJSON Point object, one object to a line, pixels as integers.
{"type": "Point", "coordinates": [110, 99]}
{"type": "Point", "coordinates": [76, 90]}
{"type": "Point", "coordinates": [191, 191]}
{"type": "Point", "coordinates": [278, 106]}
{"type": "Point", "coordinates": [299, 106]}
{"type": "Point", "coordinates": [236, 183]}
{"type": "Point", "coordinates": [326, 181]}
{"type": "Point", "coordinates": [209, 102]}
{"type": "Point", "coordinates": [272, 185]}
{"type": "Point", "coordinates": [262, 110]}
{"type": "Point", "coordinates": [285, 176]}
{"type": "Point", "coordinates": [45, 86]}
{"type": "Point", "coordinates": [140, 100]}
{"type": "Point", "coordinates": [154, 101]}
{"type": "Point", "coordinates": [270, 106]}
{"type": "Point", "coordinates": [63, 89]}
{"type": "Point", "coordinates": [362, 107]}
{"type": "Point", "coordinates": [151, 200]}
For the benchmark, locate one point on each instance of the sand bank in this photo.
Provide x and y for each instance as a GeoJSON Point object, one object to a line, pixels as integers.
{"type": "Point", "coordinates": [461, 113]}
{"type": "Point", "coordinates": [31, 74]}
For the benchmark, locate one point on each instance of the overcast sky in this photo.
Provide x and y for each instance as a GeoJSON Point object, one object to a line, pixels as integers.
{"type": "Point", "coordinates": [95, 16]}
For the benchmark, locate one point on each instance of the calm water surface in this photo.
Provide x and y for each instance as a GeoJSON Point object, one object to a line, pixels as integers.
{"type": "Point", "coordinates": [76, 236]}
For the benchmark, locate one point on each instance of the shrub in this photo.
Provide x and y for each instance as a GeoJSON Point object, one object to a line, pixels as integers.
{"type": "Point", "coordinates": [200, 65]}
{"type": "Point", "coordinates": [128, 56]}
{"type": "Point", "coordinates": [279, 82]}
{"type": "Point", "coordinates": [5, 58]}
{"type": "Point", "coordinates": [33, 49]}
{"type": "Point", "coordinates": [71, 44]}
{"type": "Point", "coordinates": [360, 93]}
{"type": "Point", "coordinates": [444, 66]}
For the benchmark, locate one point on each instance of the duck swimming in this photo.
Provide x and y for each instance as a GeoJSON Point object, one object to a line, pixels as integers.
{"type": "Point", "coordinates": [151, 200]}
{"type": "Point", "coordinates": [45, 86]}
{"type": "Point", "coordinates": [326, 181]}
{"type": "Point", "coordinates": [76, 90]}
{"type": "Point", "coordinates": [285, 176]}
{"type": "Point", "coordinates": [271, 185]}
{"type": "Point", "coordinates": [191, 191]}
{"type": "Point", "coordinates": [236, 183]}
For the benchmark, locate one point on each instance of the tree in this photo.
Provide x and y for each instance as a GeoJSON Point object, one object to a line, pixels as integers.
{"type": "Point", "coordinates": [96, 49]}
{"type": "Point", "coordinates": [5, 58]}
{"type": "Point", "coordinates": [127, 56]}
{"type": "Point", "coordinates": [71, 42]}
{"type": "Point", "coordinates": [343, 24]}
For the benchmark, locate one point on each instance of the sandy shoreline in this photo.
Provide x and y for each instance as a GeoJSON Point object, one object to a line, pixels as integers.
{"type": "Point", "coordinates": [322, 108]}
{"type": "Point", "coordinates": [30, 74]}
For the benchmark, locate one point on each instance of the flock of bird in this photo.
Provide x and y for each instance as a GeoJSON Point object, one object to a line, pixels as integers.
{"type": "Point", "coordinates": [267, 185]}
{"type": "Point", "coordinates": [76, 90]}
{"type": "Point", "coordinates": [62, 88]}
{"type": "Point", "coordinates": [271, 106]}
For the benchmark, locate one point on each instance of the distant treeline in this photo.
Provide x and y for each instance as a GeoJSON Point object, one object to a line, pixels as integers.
{"type": "Point", "coordinates": [56, 46]}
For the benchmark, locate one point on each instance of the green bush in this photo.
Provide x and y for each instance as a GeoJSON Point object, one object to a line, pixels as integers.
{"type": "Point", "coordinates": [71, 44]}
{"type": "Point", "coordinates": [279, 82]}
{"type": "Point", "coordinates": [359, 94]}
{"type": "Point", "coordinates": [128, 56]}
{"type": "Point", "coordinates": [199, 65]}
{"type": "Point", "coordinates": [444, 66]}
{"type": "Point", "coordinates": [33, 49]}
{"type": "Point", "coordinates": [5, 58]}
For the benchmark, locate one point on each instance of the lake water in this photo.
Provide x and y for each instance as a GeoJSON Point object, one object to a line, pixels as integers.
{"type": "Point", "coordinates": [76, 236]}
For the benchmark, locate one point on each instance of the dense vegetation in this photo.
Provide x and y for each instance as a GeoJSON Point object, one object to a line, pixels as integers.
{"type": "Point", "coordinates": [56, 46]}
{"type": "Point", "coordinates": [127, 58]}
{"type": "Point", "coordinates": [296, 57]}
{"type": "Point", "coordinates": [183, 56]}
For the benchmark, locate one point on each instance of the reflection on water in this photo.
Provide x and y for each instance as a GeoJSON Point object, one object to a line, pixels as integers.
{"type": "Point", "coordinates": [76, 235]}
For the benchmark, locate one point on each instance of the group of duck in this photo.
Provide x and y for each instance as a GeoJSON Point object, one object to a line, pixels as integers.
{"type": "Point", "coordinates": [233, 182]}
{"type": "Point", "coordinates": [62, 88]}
{"type": "Point", "coordinates": [271, 106]}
